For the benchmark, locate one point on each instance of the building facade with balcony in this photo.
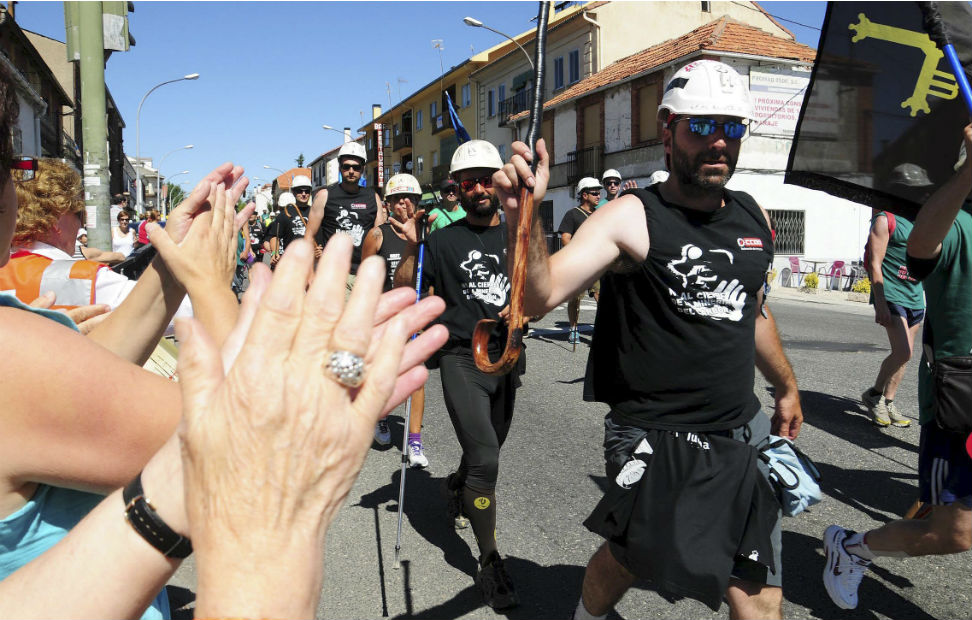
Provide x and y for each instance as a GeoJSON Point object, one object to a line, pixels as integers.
{"type": "Point", "coordinates": [417, 134]}
{"type": "Point", "coordinates": [581, 41]}
{"type": "Point", "coordinates": [40, 131]}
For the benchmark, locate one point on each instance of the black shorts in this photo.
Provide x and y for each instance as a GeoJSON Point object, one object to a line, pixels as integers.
{"type": "Point", "coordinates": [620, 440]}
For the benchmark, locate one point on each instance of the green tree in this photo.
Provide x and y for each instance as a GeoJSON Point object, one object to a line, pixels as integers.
{"type": "Point", "coordinates": [300, 160]}
{"type": "Point", "coordinates": [175, 195]}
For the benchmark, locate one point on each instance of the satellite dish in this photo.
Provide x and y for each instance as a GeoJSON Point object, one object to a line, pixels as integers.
{"type": "Point", "coordinates": [408, 165]}
{"type": "Point", "coordinates": [396, 167]}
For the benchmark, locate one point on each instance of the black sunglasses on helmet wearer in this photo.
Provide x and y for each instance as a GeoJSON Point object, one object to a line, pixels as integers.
{"type": "Point", "coordinates": [592, 192]}
{"type": "Point", "coordinates": [26, 165]}
{"type": "Point", "coordinates": [302, 190]}
{"type": "Point", "coordinates": [734, 130]}
{"type": "Point", "coordinates": [612, 182]}
{"type": "Point", "coordinates": [470, 184]}
{"type": "Point", "coordinates": [355, 167]}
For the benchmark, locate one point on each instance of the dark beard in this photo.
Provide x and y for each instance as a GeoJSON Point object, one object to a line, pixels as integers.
{"type": "Point", "coordinates": [689, 172]}
{"type": "Point", "coordinates": [472, 206]}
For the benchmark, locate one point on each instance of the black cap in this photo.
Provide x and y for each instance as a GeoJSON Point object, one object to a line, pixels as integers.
{"type": "Point", "coordinates": [448, 183]}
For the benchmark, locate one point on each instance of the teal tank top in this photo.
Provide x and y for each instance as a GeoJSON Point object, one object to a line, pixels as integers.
{"type": "Point", "coordinates": [52, 511]}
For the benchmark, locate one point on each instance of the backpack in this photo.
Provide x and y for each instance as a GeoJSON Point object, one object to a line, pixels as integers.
{"type": "Point", "coordinates": [892, 224]}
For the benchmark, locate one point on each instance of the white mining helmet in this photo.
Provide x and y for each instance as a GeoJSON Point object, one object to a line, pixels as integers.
{"type": "Point", "coordinates": [402, 184]}
{"type": "Point", "coordinates": [706, 87]}
{"type": "Point", "coordinates": [353, 149]}
{"type": "Point", "coordinates": [587, 183]}
{"type": "Point", "coordinates": [286, 199]}
{"type": "Point", "coordinates": [300, 181]}
{"type": "Point", "coordinates": [475, 154]}
{"type": "Point", "coordinates": [611, 174]}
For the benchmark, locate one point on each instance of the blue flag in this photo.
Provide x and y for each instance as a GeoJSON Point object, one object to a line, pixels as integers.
{"type": "Point", "coordinates": [461, 134]}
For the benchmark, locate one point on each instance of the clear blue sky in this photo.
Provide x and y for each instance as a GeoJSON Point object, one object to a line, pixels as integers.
{"type": "Point", "coordinates": [273, 72]}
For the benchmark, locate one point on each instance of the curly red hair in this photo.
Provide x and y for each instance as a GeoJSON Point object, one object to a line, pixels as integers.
{"type": "Point", "coordinates": [54, 191]}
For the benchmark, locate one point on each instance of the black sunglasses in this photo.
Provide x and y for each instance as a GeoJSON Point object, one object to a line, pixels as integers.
{"type": "Point", "coordinates": [355, 167]}
{"type": "Point", "coordinates": [302, 190]}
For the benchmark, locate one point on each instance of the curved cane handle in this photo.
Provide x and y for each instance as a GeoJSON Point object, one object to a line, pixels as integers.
{"type": "Point", "coordinates": [510, 355]}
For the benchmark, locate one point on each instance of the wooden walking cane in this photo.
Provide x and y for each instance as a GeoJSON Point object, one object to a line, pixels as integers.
{"type": "Point", "coordinates": [514, 335]}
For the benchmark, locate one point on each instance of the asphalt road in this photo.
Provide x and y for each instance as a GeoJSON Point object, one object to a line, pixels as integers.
{"type": "Point", "coordinates": [551, 473]}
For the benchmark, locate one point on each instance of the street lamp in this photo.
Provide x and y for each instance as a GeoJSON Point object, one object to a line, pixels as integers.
{"type": "Point", "coordinates": [475, 23]}
{"type": "Point", "coordinates": [138, 117]}
{"type": "Point", "coordinates": [158, 169]}
{"type": "Point", "coordinates": [168, 194]}
{"type": "Point", "coordinates": [347, 138]}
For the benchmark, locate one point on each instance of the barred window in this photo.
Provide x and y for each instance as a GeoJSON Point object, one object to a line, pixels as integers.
{"type": "Point", "coordinates": [789, 227]}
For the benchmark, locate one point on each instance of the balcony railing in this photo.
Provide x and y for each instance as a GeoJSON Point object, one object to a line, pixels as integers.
{"type": "Point", "coordinates": [402, 141]}
{"type": "Point", "coordinates": [584, 163]}
{"type": "Point", "coordinates": [441, 123]}
{"type": "Point", "coordinates": [520, 102]}
{"type": "Point", "coordinates": [372, 154]}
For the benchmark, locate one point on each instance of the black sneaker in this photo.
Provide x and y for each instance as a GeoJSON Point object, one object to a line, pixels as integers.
{"type": "Point", "coordinates": [495, 584]}
{"type": "Point", "coordinates": [453, 493]}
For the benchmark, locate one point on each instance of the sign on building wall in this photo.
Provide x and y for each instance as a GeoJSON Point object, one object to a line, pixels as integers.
{"type": "Point", "coordinates": [777, 98]}
{"type": "Point", "coordinates": [379, 130]}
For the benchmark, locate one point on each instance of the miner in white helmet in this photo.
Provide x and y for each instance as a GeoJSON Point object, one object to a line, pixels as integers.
{"type": "Point", "coordinates": [680, 327]}
{"type": "Point", "coordinates": [289, 224]}
{"type": "Point", "coordinates": [346, 207]}
{"type": "Point", "coordinates": [465, 264]}
{"type": "Point", "coordinates": [402, 194]}
{"type": "Point", "coordinates": [588, 196]}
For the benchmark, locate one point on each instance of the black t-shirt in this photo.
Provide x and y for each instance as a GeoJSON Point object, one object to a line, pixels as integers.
{"type": "Point", "coordinates": [256, 235]}
{"type": "Point", "coordinates": [287, 228]}
{"type": "Point", "coordinates": [674, 344]}
{"type": "Point", "coordinates": [572, 221]}
{"type": "Point", "coordinates": [392, 248]}
{"type": "Point", "coordinates": [353, 214]}
{"type": "Point", "coordinates": [466, 265]}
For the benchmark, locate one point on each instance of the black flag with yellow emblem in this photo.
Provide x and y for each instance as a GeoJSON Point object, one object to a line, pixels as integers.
{"type": "Point", "coordinates": [881, 121]}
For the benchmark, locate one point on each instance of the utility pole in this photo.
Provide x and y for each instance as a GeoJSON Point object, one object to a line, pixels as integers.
{"type": "Point", "coordinates": [94, 125]}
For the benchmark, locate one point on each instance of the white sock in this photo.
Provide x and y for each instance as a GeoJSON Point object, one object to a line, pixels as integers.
{"type": "Point", "coordinates": [854, 544]}
{"type": "Point", "coordinates": [581, 612]}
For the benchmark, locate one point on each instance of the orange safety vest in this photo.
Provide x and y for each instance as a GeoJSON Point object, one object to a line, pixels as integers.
{"type": "Point", "coordinates": [27, 275]}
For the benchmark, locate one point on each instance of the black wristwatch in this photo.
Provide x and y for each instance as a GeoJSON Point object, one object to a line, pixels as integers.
{"type": "Point", "coordinates": [150, 526]}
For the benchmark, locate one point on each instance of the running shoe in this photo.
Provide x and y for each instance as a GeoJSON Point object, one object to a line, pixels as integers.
{"type": "Point", "coordinates": [573, 337]}
{"type": "Point", "coordinates": [843, 571]}
{"type": "Point", "coordinates": [382, 433]}
{"type": "Point", "coordinates": [416, 455]}
{"type": "Point", "coordinates": [876, 407]}
{"type": "Point", "coordinates": [495, 584]}
{"type": "Point", "coordinates": [453, 491]}
{"type": "Point", "coordinates": [896, 418]}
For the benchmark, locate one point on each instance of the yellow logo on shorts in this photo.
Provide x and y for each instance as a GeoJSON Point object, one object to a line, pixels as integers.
{"type": "Point", "coordinates": [481, 502]}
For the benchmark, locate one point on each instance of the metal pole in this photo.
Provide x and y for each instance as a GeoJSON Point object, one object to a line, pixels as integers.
{"type": "Point", "coordinates": [94, 125]}
{"type": "Point", "coordinates": [138, 134]}
{"type": "Point", "coordinates": [408, 405]}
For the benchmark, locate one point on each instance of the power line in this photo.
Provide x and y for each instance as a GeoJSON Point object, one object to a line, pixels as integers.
{"type": "Point", "coordinates": [782, 19]}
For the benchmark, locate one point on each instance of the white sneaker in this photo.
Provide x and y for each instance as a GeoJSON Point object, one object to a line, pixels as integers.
{"type": "Point", "coordinates": [416, 455]}
{"type": "Point", "coordinates": [843, 571]}
{"type": "Point", "coordinates": [382, 433]}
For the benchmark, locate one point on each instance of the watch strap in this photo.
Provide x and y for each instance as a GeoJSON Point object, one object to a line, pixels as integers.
{"type": "Point", "coordinates": [149, 525]}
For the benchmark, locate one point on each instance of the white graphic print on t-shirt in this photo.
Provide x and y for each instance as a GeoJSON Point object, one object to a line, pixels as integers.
{"type": "Point", "coordinates": [350, 226]}
{"type": "Point", "coordinates": [481, 280]}
{"type": "Point", "coordinates": [703, 292]}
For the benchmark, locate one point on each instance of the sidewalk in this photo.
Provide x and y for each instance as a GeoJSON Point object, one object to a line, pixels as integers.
{"type": "Point", "coordinates": [824, 297]}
